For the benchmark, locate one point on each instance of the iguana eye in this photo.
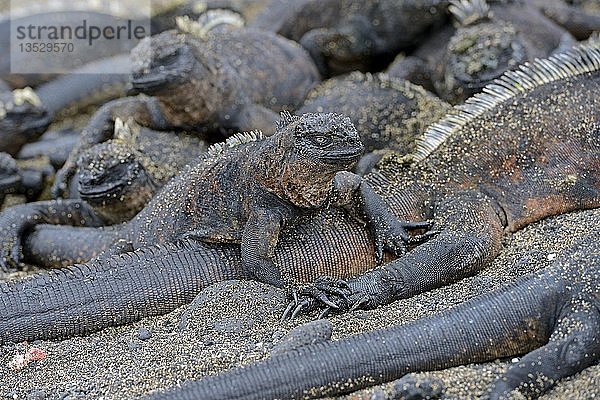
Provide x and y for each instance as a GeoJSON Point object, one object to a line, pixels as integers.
{"type": "Point", "coordinates": [168, 59]}
{"type": "Point", "coordinates": [321, 140]}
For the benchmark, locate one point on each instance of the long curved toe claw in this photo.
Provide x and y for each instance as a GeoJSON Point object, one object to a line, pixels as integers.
{"type": "Point", "coordinates": [322, 298]}
{"type": "Point", "coordinates": [359, 303]}
{"type": "Point", "coordinates": [418, 239]}
{"type": "Point", "coordinates": [324, 313]}
{"type": "Point", "coordinates": [286, 314]}
{"type": "Point", "coordinates": [417, 224]}
{"type": "Point", "coordinates": [299, 308]}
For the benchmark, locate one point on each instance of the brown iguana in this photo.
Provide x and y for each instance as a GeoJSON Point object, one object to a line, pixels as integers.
{"type": "Point", "coordinates": [245, 191]}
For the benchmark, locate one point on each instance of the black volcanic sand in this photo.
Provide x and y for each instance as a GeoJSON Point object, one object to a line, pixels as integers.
{"type": "Point", "coordinates": [235, 323]}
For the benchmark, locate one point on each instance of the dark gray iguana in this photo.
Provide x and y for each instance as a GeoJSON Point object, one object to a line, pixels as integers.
{"type": "Point", "coordinates": [529, 146]}
{"type": "Point", "coordinates": [488, 41]}
{"type": "Point", "coordinates": [211, 77]}
{"type": "Point", "coordinates": [347, 35]}
{"type": "Point", "coordinates": [120, 176]}
{"type": "Point", "coordinates": [22, 119]}
{"type": "Point", "coordinates": [552, 316]}
{"type": "Point", "coordinates": [23, 177]}
{"type": "Point", "coordinates": [246, 191]}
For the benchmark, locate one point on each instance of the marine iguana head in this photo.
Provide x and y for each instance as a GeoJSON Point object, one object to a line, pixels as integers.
{"type": "Point", "coordinates": [113, 177]}
{"type": "Point", "coordinates": [478, 54]}
{"type": "Point", "coordinates": [183, 73]}
{"type": "Point", "coordinates": [328, 140]}
{"type": "Point", "coordinates": [161, 63]}
{"type": "Point", "coordinates": [306, 152]}
{"type": "Point", "coordinates": [22, 119]}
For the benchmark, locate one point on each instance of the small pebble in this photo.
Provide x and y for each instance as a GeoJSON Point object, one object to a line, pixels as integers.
{"type": "Point", "coordinates": [144, 333]}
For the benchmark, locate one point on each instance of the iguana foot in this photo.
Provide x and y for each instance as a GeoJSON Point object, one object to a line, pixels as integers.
{"type": "Point", "coordinates": [325, 294]}
{"type": "Point", "coordinates": [392, 235]}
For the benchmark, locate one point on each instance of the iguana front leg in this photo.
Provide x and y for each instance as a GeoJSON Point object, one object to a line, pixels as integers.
{"type": "Point", "coordinates": [389, 233]}
{"type": "Point", "coordinates": [16, 221]}
{"type": "Point", "coordinates": [258, 244]}
{"type": "Point", "coordinates": [470, 231]}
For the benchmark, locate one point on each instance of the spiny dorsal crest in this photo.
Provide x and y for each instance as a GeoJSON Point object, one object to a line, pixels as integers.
{"type": "Point", "coordinates": [208, 21]}
{"type": "Point", "coordinates": [577, 61]}
{"type": "Point", "coordinates": [20, 97]}
{"type": "Point", "coordinates": [469, 12]}
{"type": "Point", "coordinates": [285, 119]}
{"type": "Point", "coordinates": [238, 139]}
{"type": "Point", "coordinates": [125, 132]}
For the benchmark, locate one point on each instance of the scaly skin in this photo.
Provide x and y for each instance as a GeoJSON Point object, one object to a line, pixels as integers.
{"type": "Point", "coordinates": [388, 113]}
{"type": "Point", "coordinates": [471, 229]}
{"type": "Point", "coordinates": [23, 119]}
{"type": "Point", "coordinates": [552, 315]}
{"type": "Point", "coordinates": [120, 176]}
{"type": "Point", "coordinates": [513, 33]}
{"type": "Point", "coordinates": [347, 35]}
{"type": "Point", "coordinates": [244, 191]}
{"type": "Point", "coordinates": [517, 154]}
{"type": "Point", "coordinates": [228, 79]}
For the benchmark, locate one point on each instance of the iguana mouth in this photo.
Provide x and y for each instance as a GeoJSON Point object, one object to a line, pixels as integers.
{"type": "Point", "coordinates": [341, 157]}
{"type": "Point", "coordinates": [147, 83]}
{"type": "Point", "coordinates": [95, 192]}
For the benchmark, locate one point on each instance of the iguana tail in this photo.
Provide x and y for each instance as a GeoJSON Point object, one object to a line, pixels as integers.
{"type": "Point", "coordinates": [110, 291]}
{"type": "Point", "coordinates": [514, 320]}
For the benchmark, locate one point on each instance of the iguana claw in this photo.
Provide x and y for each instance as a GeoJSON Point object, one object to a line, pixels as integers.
{"type": "Point", "coordinates": [392, 236]}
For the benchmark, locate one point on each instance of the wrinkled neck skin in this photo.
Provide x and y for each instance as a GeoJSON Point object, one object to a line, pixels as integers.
{"type": "Point", "coordinates": [303, 182]}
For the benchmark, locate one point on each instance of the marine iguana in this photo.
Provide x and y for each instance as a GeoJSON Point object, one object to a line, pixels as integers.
{"type": "Point", "coordinates": [514, 154]}
{"type": "Point", "coordinates": [388, 113]}
{"type": "Point", "coordinates": [16, 180]}
{"type": "Point", "coordinates": [552, 316]}
{"type": "Point", "coordinates": [22, 119]}
{"type": "Point", "coordinates": [532, 107]}
{"type": "Point", "coordinates": [220, 79]}
{"type": "Point", "coordinates": [488, 40]}
{"type": "Point", "coordinates": [246, 191]}
{"type": "Point", "coordinates": [23, 177]}
{"type": "Point", "coordinates": [120, 176]}
{"type": "Point", "coordinates": [347, 35]}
